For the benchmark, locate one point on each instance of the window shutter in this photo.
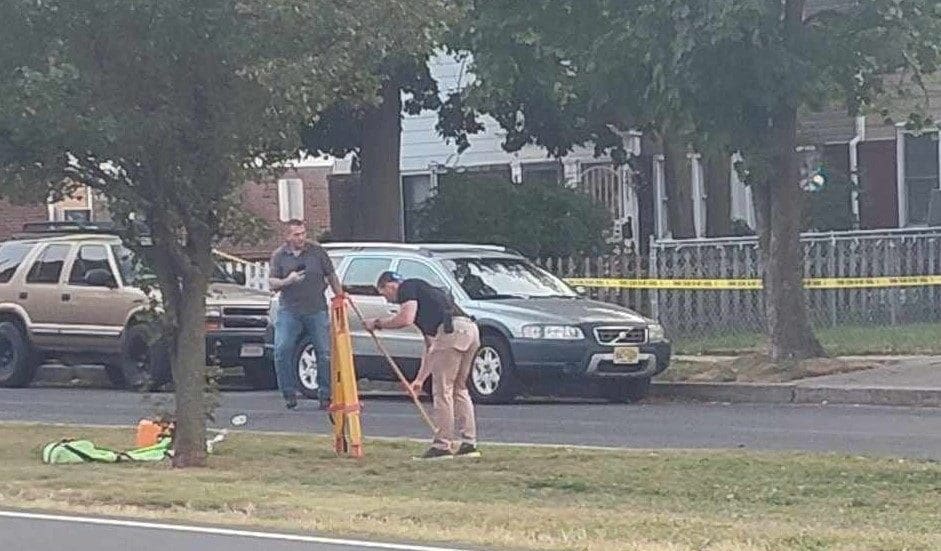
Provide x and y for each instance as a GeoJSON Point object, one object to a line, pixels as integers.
{"type": "Point", "coordinates": [291, 199]}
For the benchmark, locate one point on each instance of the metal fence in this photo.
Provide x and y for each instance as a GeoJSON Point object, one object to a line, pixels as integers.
{"type": "Point", "coordinates": [696, 312]}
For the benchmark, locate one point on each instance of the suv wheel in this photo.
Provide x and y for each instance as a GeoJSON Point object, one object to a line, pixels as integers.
{"type": "Point", "coordinates": [260, 375]}
{"type": "Point", "coordinates": [626, 392]}
{"type": "Point", "coordinates": [491, 379]}
{"type": "Point", "coordinates": [145, 362]}
{"type": "Point", "coordinates": [305, 367]}
{"type": "Point", "coordinates": [17, 366]}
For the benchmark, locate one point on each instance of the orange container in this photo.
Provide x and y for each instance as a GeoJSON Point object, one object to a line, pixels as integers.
{"type": "Point", "coordinates": [148, 433]}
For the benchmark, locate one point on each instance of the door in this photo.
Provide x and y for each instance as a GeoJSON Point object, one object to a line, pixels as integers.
{"type": "Point", "coordinates": [91, 312]}
{"type": "Point", "coordinates": [408, 341]}
{"type": "Point", "coordinates": [359, 283]}
{"type": "Point", "coordinates": [41, 294]}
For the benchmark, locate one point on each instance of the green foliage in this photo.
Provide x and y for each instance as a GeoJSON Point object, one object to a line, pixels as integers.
{"type": "Point", "coordinates": [167, 107]}
{"type": "Point", "coordinates": [567, 72]}
{"type": "Point", "coordinates": [538, 217]}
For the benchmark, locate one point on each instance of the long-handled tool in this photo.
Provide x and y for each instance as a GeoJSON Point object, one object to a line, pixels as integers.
{"type": "Point", "coordinates": [395, 367]}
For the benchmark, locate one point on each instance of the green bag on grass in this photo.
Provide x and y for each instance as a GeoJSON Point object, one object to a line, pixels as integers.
{"type": "Point", "coordinates": [85, 451]}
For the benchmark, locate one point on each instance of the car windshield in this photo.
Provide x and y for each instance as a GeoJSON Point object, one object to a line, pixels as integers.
{"type": "Point", "coordinates": [134, 271]}
{"type": "Point", "coordinates": [496, 278]}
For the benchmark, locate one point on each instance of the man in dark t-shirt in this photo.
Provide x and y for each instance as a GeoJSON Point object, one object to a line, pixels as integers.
{"type": "Point", "coordinates": [451, 343]}
{"type": "Point", "coordinates": [301, 271]}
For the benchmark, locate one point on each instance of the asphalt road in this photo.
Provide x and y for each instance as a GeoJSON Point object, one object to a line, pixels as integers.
{"type": "Point", "coordinates": [54, 533]}
{"type": "Point", "coordinates": [864, 430]}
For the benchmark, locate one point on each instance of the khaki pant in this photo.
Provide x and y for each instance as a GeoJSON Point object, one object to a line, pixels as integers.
{"type": "Point", "coordinates": [450, 358]}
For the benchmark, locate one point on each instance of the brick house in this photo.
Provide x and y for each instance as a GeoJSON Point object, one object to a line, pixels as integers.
{"type": "Point", "coordinates": [301, 192]}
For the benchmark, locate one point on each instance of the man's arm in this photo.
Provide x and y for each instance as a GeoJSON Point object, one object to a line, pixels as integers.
{"type": "Point", "coordinates": [404, 318]}
{"type": "Point", "coordinates": [424, 370]}
{"type": "Point", "coordinates": [334, 283]}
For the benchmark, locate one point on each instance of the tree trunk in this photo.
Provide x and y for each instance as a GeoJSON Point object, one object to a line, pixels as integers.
{"type": "Point", "coordinates": [717, 172]}
{"type": "Point", "coordinates": [381, 201]}
{"type": "Point", "coordinates": [679, 185]}
{"type": "Point", "coordinates": [791, 334]}
{"type": "Point", "coordinates": [189, 373]}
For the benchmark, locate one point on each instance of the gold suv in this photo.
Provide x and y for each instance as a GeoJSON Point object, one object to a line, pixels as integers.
{"type": "Point", "coordinates": [72, 292]}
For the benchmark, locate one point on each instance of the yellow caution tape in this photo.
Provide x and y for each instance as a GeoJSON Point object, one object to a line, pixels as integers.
{"type": "Point", "coordinates": [754, 284]}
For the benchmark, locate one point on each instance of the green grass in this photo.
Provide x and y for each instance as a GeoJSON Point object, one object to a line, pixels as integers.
{"type": "Point", "coordinates": [529, 498]}
{"type": "Point", "coordinates": [921, 338]}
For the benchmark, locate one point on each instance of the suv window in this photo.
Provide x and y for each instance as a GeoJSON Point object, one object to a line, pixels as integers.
{"type": "Point", "coordinates": [11, 256]}
{"type": "Point", "coordinates": [409, 269]}
{"type": "Point", "coordinates": [361, 276]}
{"type": "Point", "coordinates": [90, 257]}
{"type": "Point", "coordinates": [48, 267]}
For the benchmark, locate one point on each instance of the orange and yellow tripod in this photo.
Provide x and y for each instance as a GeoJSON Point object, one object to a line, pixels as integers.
{"type": "Point", "coordinates": [344, 396]}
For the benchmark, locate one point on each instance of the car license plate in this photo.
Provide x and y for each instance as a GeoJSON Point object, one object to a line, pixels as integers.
{"type": "Point", "coordinates": [253, 351]}
{"type": "Point", "coordinates": [626, 355]}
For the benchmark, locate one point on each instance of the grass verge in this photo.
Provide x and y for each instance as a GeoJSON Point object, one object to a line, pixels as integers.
{"type": "Point", "coordinates": [919, 338]}
{"type": "Point", "coordinates": [514, 498]}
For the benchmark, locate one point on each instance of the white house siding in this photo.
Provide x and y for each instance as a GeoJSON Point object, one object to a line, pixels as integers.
{"type": "Point", "coordinates": [423, 147]}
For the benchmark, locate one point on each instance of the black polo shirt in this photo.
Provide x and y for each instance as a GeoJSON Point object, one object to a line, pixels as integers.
{"type": "Point", "coordinates": [434, 305]}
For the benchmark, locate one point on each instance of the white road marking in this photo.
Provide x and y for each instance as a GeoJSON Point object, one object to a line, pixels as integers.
{"type": "Point", "coordinates": [221, 531]}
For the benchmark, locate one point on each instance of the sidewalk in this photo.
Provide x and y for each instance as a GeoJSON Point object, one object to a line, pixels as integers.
{"type": "Point", "coordinates": [904, 381]}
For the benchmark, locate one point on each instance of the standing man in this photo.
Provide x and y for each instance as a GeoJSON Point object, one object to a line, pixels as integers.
{"type": "Point", "coordinates": [301, 271]}
{"type": "Point", "coordinates": [451, 343]}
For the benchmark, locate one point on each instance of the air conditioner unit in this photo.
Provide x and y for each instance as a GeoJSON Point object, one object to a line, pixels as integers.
{"type": "Point", "coordinates": [72, 214]}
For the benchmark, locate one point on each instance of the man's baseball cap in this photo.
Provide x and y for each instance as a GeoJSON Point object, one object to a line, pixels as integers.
{"type": "Point", "coordinates": [388, 277]}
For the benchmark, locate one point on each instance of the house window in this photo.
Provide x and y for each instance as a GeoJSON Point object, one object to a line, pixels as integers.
{"type": "Point", "coordinates": [550, 173]}
{"type": "Point", "coordinates": [291, 199]}
{"type": "Point", "coordinates": [921, 175]}
{"type": "Point", "coordinates": [416, 189]}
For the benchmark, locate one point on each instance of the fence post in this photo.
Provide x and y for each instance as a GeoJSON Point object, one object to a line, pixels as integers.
{"type": "Point", "coordinates": [653, 271]}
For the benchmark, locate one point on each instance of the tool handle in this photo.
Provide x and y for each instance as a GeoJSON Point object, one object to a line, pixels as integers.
{"type": "Point", "coordinates": [395, 367]}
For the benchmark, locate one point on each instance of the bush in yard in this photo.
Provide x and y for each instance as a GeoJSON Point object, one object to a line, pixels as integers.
{"type": "Point", "coordinates": [539, 218]}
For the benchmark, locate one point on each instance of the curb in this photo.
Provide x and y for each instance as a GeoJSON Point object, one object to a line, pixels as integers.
{"type": "Point", "coordinates": [796, 393]}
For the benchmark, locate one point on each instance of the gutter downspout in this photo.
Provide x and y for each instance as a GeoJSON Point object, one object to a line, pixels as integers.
{"type": "Point", "coordinates": [854, 166]}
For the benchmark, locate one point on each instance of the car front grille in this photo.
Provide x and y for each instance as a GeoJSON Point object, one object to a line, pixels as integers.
{"type": "Point", "coordinates": [611, 367]}
{"type": "Point", "coordinates": [611, 336]}
{"type": "Point", "coordinates": [243, 317]}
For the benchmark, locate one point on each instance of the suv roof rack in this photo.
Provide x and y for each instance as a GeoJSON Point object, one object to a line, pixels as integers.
{"type": "Point", "coordinates": [70, 227]}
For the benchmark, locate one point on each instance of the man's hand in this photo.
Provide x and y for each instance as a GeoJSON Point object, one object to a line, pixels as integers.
{"type": "Point", "coordinates": [416, 386]}
{"type": "Point", "coordinates": [294, 277]}
{"type": "Point", "coordinates": [372, 325]}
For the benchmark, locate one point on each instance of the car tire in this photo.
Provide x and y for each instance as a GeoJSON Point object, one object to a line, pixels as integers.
{"type": "Point", "coordinates": [145, 360]}
{"type": "Point", "coordinates": [305, 369]}
{"type": "Point", "coordinates": [492, 379]}
{"type": "Point", "coordinates": [626, 392]}
{"type": "Point", "coordinates": [260, 375]}
{"type": "Point", "coordinates": [17, 365]}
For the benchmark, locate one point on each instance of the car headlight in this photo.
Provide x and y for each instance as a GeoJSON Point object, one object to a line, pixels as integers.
{"type": "Point", "coordinates": [553, 332]}
{"type": "Point", "coordinates": [655, 333]}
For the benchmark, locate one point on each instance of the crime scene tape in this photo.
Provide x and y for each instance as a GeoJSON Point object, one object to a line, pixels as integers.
{"type": "Point", "coordinates": [755, 284]}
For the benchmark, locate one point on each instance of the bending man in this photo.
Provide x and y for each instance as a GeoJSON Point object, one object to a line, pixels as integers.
{"type": "Point", "coordinates": [451, 342]}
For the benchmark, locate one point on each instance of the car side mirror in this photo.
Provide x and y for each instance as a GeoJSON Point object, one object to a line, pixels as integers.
{"type": "Point", "coordinates": [239, 278]}
{"type": "Point", "coordinates": [100, 278]}
{"type": "Point", "coordinates": [582, 291]}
